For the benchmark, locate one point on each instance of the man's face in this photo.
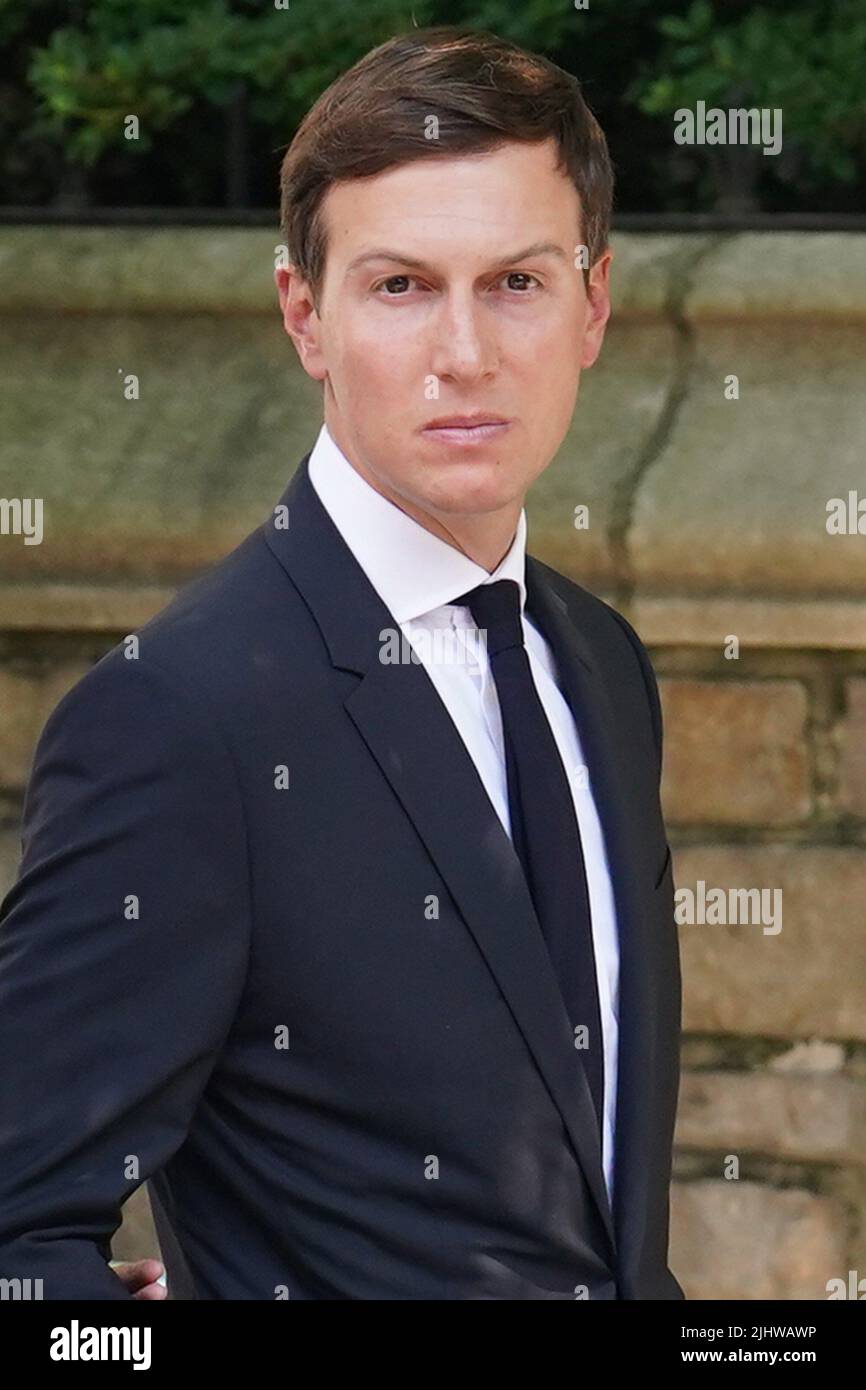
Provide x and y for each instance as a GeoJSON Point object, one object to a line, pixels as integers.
{"type": "Point", "coordinates": [433, 305]}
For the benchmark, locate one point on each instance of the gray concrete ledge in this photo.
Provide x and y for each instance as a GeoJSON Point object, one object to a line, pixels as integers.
{"type": "Point", "coordinates": [707, 514]}
{"type": "Point", "coordinates": [229, 270]}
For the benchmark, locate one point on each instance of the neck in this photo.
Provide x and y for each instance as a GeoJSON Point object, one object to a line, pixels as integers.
{"type": "Point", "coordinates": [484, 539]}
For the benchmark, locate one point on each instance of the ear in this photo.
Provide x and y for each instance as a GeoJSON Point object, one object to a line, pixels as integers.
{"type": "Point", "coordinates": [597, 309]}
{"type": "Point", "coordinates": [300, 319]}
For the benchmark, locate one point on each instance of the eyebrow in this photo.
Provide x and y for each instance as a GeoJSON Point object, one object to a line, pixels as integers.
{"type": "Point", "coordinates": [384, 253]}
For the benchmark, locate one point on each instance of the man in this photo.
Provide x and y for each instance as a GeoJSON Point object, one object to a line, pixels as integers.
{"type": "Point", "coordinates": [359, 947]}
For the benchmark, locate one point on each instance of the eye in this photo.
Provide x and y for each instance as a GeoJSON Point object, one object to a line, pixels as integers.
{"type": "Point", "coordinates": [392, 279]}
{"type": "Point", "coordinates": [406, 282]}
{"type": "Point", "coordinates": [521, 275]}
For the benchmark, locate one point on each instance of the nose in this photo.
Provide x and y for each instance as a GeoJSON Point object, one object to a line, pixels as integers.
{"type": "Point", "coordinates": [464, 342]}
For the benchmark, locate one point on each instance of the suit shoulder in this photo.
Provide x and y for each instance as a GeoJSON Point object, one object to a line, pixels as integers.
{"type": "Point", "coordinates": [184, 662]}
{"type": "Point", "coordinates": [601, 622]}
{"type": "Point", "coordinates": [585, 606]}
{"type": "Point", "coordinates": [223, 621]}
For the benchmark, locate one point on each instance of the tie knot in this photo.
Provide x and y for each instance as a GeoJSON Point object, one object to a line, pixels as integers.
{"type": "Point", "coordinates": [496, 608]}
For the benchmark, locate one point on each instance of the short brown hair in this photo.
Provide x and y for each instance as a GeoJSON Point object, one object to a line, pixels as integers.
{"type": "Point", "coordinates": [484, 90]}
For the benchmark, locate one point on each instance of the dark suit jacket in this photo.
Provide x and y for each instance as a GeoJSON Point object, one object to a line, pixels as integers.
{"type": "Point", "coordinates": [181, 914]}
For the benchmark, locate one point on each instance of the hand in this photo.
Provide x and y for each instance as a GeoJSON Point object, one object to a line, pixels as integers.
{"type": "Point", "coordinates": [140, 1276]}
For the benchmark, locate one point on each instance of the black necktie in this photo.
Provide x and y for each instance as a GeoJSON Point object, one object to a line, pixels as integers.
{"type": "Point", "coordinates": [544, 826]}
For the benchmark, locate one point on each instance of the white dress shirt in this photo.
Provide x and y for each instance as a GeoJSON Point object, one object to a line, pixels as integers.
{"type": "Point", "coordinates": [417, 575]}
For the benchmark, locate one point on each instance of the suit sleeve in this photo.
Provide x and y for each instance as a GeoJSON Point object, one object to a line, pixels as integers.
{"type": "Point", "coordinates": [123, 951]}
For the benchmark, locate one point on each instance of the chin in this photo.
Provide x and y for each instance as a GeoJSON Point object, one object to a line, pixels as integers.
{"type": "Point", "coordinates": [478, 491]}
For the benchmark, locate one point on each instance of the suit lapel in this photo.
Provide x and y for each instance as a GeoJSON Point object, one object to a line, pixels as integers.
{"type": "Point", "coordinates": [403, 722]}
{"type": "Point", "coordinates": [606, 754]}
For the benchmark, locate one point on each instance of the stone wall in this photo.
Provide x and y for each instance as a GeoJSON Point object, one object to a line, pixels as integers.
{"type": "Point", "coordinates": [707, 525]}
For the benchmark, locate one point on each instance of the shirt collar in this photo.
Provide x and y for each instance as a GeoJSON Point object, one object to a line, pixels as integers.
{"type": "Point", "coordinates": [411, 570]}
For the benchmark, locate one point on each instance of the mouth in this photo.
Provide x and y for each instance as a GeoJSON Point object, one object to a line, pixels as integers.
{"type": "Point", "coordinates": [463, 430]}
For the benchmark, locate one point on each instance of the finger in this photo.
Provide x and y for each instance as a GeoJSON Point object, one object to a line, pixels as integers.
{"type": "Point", "coordinates": [136, 1274]}
{"type": "Point", "coordinates": [152, 1293]}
